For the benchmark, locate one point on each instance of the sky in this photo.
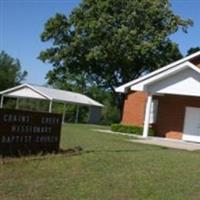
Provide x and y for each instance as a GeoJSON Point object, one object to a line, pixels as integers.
{"type": "Point", "coordinates": [22, 22]}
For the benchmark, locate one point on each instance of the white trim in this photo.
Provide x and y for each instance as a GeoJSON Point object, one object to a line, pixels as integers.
{"type": "Point", "coordinates": [24, 97]}
{"type": "Point", "coordinates": [172, 71]}
{"type": "Point", "coordinates": [122, 88]}
{"type": "Point", "coordinates": [187, 136]}
{"type": "Point", "coordinates": [78, 103]}
{"type": "Point", "coordinates": [153, 111]}
{"type": "Point", "coordinates": [191, 138]}
{"type": "Point", "coordinates": [142, 85]}
{"type": "Point", "coordinates": [41, 93]}
{"type": "Point", "coordinates": [12, 89]}
{"type": "Point", "coordinates": [6, 92]}
{"type": "Point", "coordinates": [147, 116]}
{"type": "Point", "coordinates": [50, 106]}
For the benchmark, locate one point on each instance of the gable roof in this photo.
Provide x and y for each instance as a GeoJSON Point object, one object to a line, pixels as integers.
{"type": "Point", "coordinates": [123, 88]}
{"type": "Point", "coordinates": [142, 84]}
{"type": "Point", "coordinates": [40, 92]}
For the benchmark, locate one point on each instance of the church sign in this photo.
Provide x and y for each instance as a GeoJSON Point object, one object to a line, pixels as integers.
{"type": "Point", "coordinates": [29, 132]}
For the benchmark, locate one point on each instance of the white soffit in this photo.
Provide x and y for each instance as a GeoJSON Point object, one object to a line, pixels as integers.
{"type": "Point", "coordinates": [141, 86]}
{"type": "Point", "coordinates": [186, 82]}
{"type": "Point", "coordinates": [123, 88]}
{"type": "Point", "coordinates": [25, 93]}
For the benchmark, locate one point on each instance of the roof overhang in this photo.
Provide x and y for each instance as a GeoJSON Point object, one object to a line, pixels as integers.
{"type": "Point", "coordinates": [125, 87]}
{"type": "Point", "coordinates": [184, 79]}
{"type": "Point", "coordinates": [44, 93]}
{"type": "Point", "coordinates": [23, 91]}
{"type": "Point", "coordinates": [143, 84]}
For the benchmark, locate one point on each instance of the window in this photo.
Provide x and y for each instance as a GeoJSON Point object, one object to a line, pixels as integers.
{"type": "Point", "coordinates": [153, 111]}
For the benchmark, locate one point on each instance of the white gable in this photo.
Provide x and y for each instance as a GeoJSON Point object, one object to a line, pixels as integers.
{"type": "Point", "coordinates": [26, 93]}
{"type": "Point", "coordinates": [124, 88]}
{"type": "Point", "coordinates": [185, 82]}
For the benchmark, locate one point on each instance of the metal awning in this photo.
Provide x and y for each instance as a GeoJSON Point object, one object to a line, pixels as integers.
{"type": "Point", "coordinates": [50, 94]}
{"type": "Point", "coordinates": [56, 95]}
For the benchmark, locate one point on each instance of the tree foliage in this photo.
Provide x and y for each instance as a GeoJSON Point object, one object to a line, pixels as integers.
{"type": "Point", "coordinates": [111, 42]}
{"type": "Point", "coordinates": [193, 50]}
{"type": "Point", "coordinates": [10, 71]}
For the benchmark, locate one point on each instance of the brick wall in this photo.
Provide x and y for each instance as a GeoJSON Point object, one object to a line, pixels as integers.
{"type": "Point", "coordinates": [171, 111]}
{"type": "Point", "coordinates": [196, 61]}
{"type": "Point", "coordinates": [171, 114]}
{"type": "Point", "coordinates": [170, 117]}
{"type": "Point", "coordinates": [134, 108]}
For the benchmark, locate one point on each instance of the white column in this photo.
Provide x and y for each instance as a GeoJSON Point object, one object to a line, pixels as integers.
{"type": "Point", "coordinates": [50, 106]}
{"type": "Point", "coordinates": [63, 117]}
{"type": "Point", "coordinates": [147, 116]}
{"type": "Point", "coordinates": [2, 97]}
{"type": "Point", "coordinates": [77, 114]}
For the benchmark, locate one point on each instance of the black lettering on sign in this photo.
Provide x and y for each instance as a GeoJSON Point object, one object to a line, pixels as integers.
{"type": "Point", "coordinates": [25, 131]}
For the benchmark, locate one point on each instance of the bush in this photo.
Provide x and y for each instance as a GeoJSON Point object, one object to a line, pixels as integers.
{"type": "Point", "coordinates": [110, 114]}
{"type": "Point", "coordinates": [130, 129]}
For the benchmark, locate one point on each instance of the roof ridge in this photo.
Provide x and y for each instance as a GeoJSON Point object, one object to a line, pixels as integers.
{"type": "Point", "coordinates": [58, 89]}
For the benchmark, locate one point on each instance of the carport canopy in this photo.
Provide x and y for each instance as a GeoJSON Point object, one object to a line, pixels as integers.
{"type": "Point", "coordinates": [50, 94]}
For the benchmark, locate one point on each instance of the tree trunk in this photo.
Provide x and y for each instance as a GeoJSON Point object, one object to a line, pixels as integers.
{"type": "Point", "coordinates": [119, 100]}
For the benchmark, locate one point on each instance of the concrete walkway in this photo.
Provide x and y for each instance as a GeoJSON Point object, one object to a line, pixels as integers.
{"type": "Point", "coordinates": [169, 143]}
{"type": "Point", "coordinates": [118, 133]}
{"type": "Point", "coordinates": [164, 142]}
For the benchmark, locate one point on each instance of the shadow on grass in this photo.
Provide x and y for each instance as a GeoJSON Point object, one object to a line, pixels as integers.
{"type": "Point", "coordinates": [68, 153]}
{"type": "Point", "coordinates": [125, 150]}
{"type": "Point", "coordinates": [30, 156]}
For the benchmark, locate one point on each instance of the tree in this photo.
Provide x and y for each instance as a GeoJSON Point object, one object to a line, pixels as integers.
{"type": "Point", "coordinates": [10, 71]}
{"type": "Point", "coordinates": [111, 42]}
{"type": "Point", "coordinates": [193, 50]}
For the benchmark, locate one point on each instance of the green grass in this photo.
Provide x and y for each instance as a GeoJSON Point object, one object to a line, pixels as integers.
{"type": "Point", "coordinates": [110, 167]}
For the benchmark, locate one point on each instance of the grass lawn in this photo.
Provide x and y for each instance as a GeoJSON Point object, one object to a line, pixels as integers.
{"type": "Point", "coordinates": [110, 167]}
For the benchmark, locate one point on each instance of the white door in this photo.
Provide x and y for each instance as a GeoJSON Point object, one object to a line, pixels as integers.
{"type": "Point", "coordinates": [192, 124]}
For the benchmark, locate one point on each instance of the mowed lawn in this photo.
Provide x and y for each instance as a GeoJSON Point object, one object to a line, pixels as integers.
{"type": "Point", "coordinates": [110, 167]}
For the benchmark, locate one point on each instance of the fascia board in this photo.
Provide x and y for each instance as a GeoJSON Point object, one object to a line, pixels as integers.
{"type": "Point", "coordinates": [122, 88]}
{"type": "Point", "coordinates": [165, 74]}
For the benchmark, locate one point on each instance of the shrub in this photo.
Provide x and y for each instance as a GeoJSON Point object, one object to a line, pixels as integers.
{"type": "Point", "coordinates": [130, 129]}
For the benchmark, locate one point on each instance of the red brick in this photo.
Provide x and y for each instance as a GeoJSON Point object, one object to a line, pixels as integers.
{"type": "Point", "coordinates": [196, 61]}
{"type": "Point", "coordinates": [171, 110]}
{"type": "Point", "coordinates": [134, 108]}
{"type": "Point", "coordinates": [170, 116]}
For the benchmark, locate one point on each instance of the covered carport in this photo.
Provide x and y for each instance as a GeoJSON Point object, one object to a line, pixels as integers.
{"type": "Point", "coordinates": [28, 91]}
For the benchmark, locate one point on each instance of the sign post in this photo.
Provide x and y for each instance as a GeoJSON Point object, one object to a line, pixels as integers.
{"type": "Point", "coordinates": [24, 132]}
